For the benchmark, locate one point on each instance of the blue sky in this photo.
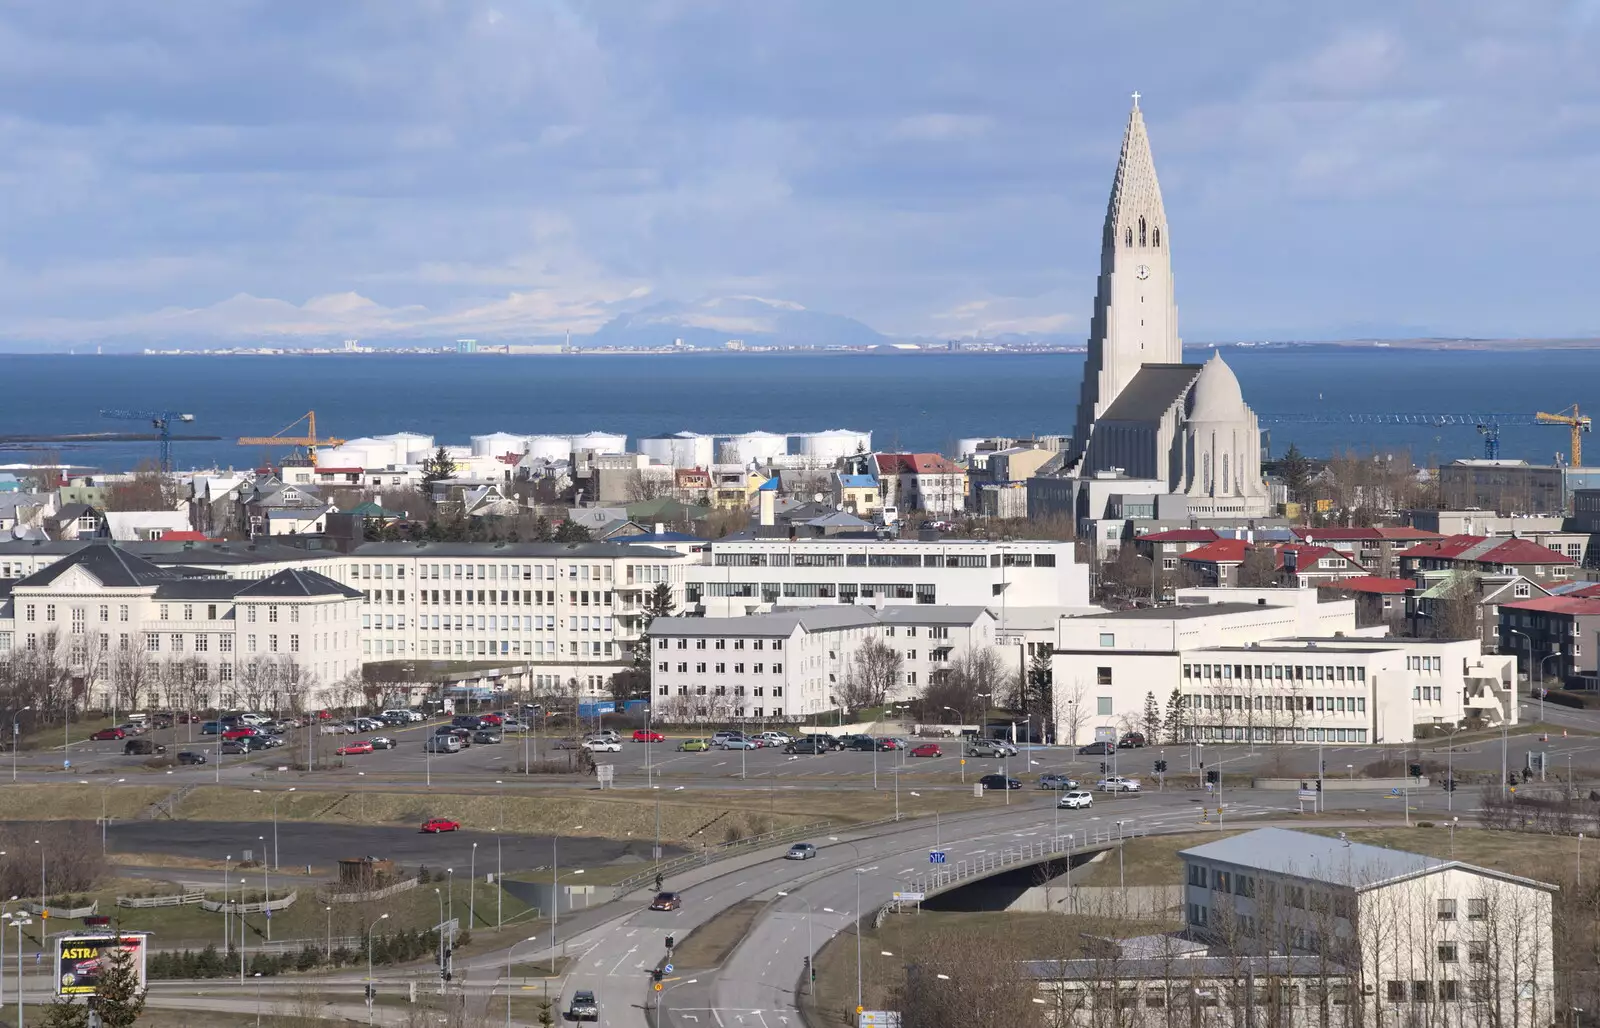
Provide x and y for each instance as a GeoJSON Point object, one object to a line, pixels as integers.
{"type": "Point", "coordinates": [433, 168]}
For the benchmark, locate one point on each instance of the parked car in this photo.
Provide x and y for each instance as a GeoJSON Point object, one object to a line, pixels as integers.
{"type": "Point", "coordinates": [1077, 799]}
{"type": "Point", "coordinates": [143, 748]}
{"type": "Point", "coordinates": [927, 749]}
{"type": "Point", "coordinates": [1131, 741]}
{"type": "Point", "coordinates": [135, 727]}
{"type": "Point", "coordinates": [442, 744]}
{"type": "Point", "coordinates": [721, 737]}
{"type": "Point", "coordinates": [491, 719]}
{"type": "Point", "coordinates": [266, 742]}
{"type": "Point", "coordinates": [808, 745]}
{"type": "Point", "coordinates": [513, 724]}
{"type": "Point", "coordinates": [610, 734]}
{"type": "Point", "coordinates": [211, 728]}
{"type": "Point", "coordinates": [241, 732]}
{"type": "Point", "coordinates": [382, 742]}
{"type": "Point", "coordinates": [462, 736]}
{"type": "Point", "coordinates": [693, 746]}
{"type": "Point", "coordinates": [109, 735]}
{"type": "Point", "coordinates": [190, 757]}
{"type": "Point", "coordinates": [1117, 783]}
{"type": "Point", "coordinates": [402, 716]}
{"type": "Point", "coordinates": [862, 743]}
{"type": "Point", "coordinates": [584, 1007]}
{"type": "Point", "coordinates": [236, 747]}
{"type": "Point", "coordinates": [1000, 782]}
{"type": "Point", "coordinates": [985, 748]}
{"type": "Point", "coordinates": [486, 735]}
{"type": "Point", "coordinates": [435, 825]}
{"type": "Point", "coordinates": [775, 738]}
{"type": "Point", "coordinates": [1056, 782]}
{"type": "Point", "coordinates": [644, 735]}
{"type": "Point", "coordinates": [801, 851]}
{"type": "Point", "coordinates": [600, 744]}
{"type": "Point", "coordinates": [332, 728]}
{"type": "Point", "coordinates": [350, 749]}
{"type": "Point", "coordinates": [667, 901]}
{"type": "Point", "coordinates": [742, 744]}
{"type": "Point", "coordinates": [889, 743]}
{"type": "Point", "coordinates": [1102, 748]}
{"type": "Point", "coordinates": [472, 722]}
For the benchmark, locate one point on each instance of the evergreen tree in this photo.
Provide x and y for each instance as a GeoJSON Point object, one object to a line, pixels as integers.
{"type": "Point", "coordinates": [119, 997]}
{"type": "Point", "coordinates": [1295, 469]}
{"type": "Point", "coordinates": [1039, 693]}
{"type": "Point", "coordinates": [542, 532]}
{"type": "Point", "coordinates": [1152, 719]}
{"type": "Point", "coordinates": [1176, 714]}
{"type": "Point", "coordinates": [658, 603]}
{"type": "Point", "coordinates": [63, 1013]}
{"type": "Point", "coordinates": [572, 532]}
{"type": "Point", "coordinates": [438, 467]}
{"type": "Point", "coordinates": [547, 1017]}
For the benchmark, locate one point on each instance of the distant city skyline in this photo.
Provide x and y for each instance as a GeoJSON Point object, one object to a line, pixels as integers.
{"type": "Point", "coordinates": [249, 174]}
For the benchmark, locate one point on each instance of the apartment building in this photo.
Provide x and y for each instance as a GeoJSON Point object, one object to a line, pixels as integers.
{"type": "Point", "coordinates": [748, 575]}
{"type": "Point", "coordinates": [793, 664]}
{"type": "Point", "coordinates": [1269, 666]}
{"type": "Point", "coordinates": [927, 482]}
{"type": "Point", "coordinates": [1426, 941]}
{"type": "Point", "coordinates": [1489, 555]}
{"type": "Point", "coordinates": [1376, 549]}
{"type": "Point", "coordinates": [1554, 639]}
{"type": "Point", "coordinates": [122, 627]}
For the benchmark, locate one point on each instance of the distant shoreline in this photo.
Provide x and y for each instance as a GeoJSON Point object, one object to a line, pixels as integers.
{"type": "Point", "coordinates": [1359, 346]}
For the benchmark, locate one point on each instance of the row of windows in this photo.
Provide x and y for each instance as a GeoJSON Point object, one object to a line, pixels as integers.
{"type": "Point", "coordinates": [721, 669]}
{"type": "Point", "coordinates": [1276, 672]}
{"type": "Point", "coordinates": [1267, 733]}
{"type": "Point", "coordinates": [1291, 704]}
{"type": "Point", "coordinates": [490, 647]}
{"type": "Point", "coordinates": [846, 592]}
{"type": "Point", "coordinates": [884, 560]}
{"type": "Point", "coordinates": [497, 572]}
{"type": "Point", "coordinates": [719, 690]}
{"type": "Point", "coordinates": [722, 644]}
{"type": "Point", "coordinates": [1446, 990]}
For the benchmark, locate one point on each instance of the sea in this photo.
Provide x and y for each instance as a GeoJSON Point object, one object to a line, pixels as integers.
{"type": "Point", "coordinates": [909, 401]}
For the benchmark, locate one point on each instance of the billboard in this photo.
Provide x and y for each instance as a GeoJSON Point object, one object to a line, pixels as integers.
{"type": "Point", "coordinates": [80, 960]}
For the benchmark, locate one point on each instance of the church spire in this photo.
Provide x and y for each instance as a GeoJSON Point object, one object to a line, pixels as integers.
{"type": "Point", "coordinates": [1135, 216]}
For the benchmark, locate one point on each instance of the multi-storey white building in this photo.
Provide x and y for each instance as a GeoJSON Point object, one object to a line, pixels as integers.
{"type": "Point", "coordinates": [795, 663]}
{"type": "Point", "coordinates": [1427, 941]}
{"type": "Point", "coordinates": [756, 574]}
{"type": "Point", "coordinates": [1269, 665]}
{"type": "Point", "coordinates": [121, 628]}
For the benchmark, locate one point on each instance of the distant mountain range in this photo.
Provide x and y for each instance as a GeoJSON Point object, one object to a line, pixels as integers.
{"type": "Point", "coordinates": [753, 319]}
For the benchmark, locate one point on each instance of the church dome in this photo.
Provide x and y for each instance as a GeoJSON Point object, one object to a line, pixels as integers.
{"type": "Point", "coordinates": [1216, 395]}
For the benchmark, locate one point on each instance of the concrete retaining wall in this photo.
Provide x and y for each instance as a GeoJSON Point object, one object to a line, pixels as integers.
{"type": "Point", "coordinates": [1137, 902]}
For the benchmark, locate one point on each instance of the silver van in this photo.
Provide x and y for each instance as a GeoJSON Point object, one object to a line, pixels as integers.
{"type": "Point", "coordinates": [442, 744]}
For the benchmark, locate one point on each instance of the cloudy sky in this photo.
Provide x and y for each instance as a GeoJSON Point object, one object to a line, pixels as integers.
{"type": "Point", "coordinates": [428, 168]}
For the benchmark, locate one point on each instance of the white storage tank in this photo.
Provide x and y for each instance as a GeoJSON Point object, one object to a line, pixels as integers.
{"type": "Point", "coordinates": [550, 447]}
{"type": "Point", "coordinates": [498, 444]}
{"type": "Point", "coordinates": [342, 457]}
{"type": "Point", "coordinates": [755, 448]}
{"type": "Point", "coordinates": [408, 447]}
{"type": "Point", "coordinates": [967, 447]}
{"type": "Point", "coordinates": [365, 451]}
{"type": "Point", "coordinates": [600, 442]}
{"type": "Point", "coordinates": [680, 450]}
{"type": "Point", "coordinates": [834, 443]}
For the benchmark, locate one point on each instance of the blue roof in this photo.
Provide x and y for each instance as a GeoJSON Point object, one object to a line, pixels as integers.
{"type": "Point", "coordinates": [769, 486]}
{"type": "Point", "coordinates": [858, 482]}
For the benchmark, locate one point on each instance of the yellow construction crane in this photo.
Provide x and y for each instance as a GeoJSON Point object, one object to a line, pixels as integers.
{"type": "Point", "coordinates": [1579, 423]}
{"type": "Point", "coordinates": [283, 438]}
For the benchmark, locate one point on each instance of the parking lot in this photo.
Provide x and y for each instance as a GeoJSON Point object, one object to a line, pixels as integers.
{"type": "Point", "coordinates": [664, 760]}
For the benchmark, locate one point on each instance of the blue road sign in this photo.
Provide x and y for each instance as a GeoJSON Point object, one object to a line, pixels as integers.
{"type": "Point", "coordinates": [936, 856]}
{"type": "Point", "coordinates": [667, 969]}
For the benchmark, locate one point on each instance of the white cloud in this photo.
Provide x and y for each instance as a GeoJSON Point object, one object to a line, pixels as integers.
{"type": "Point", "coordinates": [941, 128]}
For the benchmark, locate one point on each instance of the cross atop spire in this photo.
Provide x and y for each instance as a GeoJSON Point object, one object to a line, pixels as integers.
{"type": "Point", "coordinates": [1135, 98]}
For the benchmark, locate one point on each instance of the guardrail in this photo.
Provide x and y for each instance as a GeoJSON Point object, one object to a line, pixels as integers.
{"type": "Point", "coordinates": [180, 900]}
{"type": "Point", "coordinates": [988, 863]}
{"type": "Point", "coordinates": [714, 853]}
{"type": "Point", "coordinates": [64, 912]}
{"type": "Point", "coordinates": [282, 903]}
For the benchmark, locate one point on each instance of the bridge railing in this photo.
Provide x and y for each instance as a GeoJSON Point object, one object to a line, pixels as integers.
{"type": "Point", "coordinates": [984, 864]}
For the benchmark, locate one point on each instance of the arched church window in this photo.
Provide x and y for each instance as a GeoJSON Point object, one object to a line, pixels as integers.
{"type": "Point", "coordinates": [1141, 232]}
{"type": "Point", "coordinates": [1155, 237]}
{"type": "Point", "coordinates": [1205, 472]}
{"type": "Point", "coordinates": [1225, 478]}
{"type": "Point", "coordinates": [1129, 236]}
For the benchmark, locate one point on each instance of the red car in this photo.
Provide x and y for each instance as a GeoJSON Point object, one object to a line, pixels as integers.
{"type": "Point", "coordinates": [363, 746]}
{"type": "Point", "coordinates": [109, 735]}
{"type": "Point", "coordinates": [491, 719]}
{"type": "Point", "coordinates": [927, 749]}
{"type": "Point", "coordinates": [640, 735]}
{"type": "Point", "coordinates": [435, 825]}
{"type": "Point", "coordinates": [240, 733]}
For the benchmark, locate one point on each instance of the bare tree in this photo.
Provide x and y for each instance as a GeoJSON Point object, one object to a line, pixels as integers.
{"type": "Point", "coordinates": [148, 489]}
{"type": "Point", "coordinates": [953, 984]}
{"type": "Point", "coordinates": [257, 680]}
{"type": "Point", "coordinates": [1455, 614]}
{"type": "Point", "coordinates": [1259, 569]}
{"type": "Point", "coordinates": [1072, 711]}
{"type": "Point", "coordinates": [292, 682]}
{"type": "Point", "coordinates": [874, 673]}
{"type": "Point", "coordinates": [188, 682]}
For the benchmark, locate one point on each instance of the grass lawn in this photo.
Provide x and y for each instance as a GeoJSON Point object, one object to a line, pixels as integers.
{"type": "Point", "coordinates": [71, 801]}
{"type": "Point", "coordinates": [711, 943]}
{"type": "Point", "coordinates": [833, 1001]}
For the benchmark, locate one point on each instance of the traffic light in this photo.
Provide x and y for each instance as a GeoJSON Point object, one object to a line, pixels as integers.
{"type": "Point", "coordinates": [1449, 785]}
{"type": "Point", "coordinates": [1213, 777]}
{"type": "Point", "coordinates": [372, 993]}
{"type": "Point", "coordinates": [811, 972]}
{"type": "Point", "coordinates": [1102, 767]}
{"type": "Point", "coordinates": [655, 976]}
{"type": "Point", "coordinates": [1161, 767]}
{"type": "Point", "coordinates": [1415, 770]}
{"type": "Point", "coordinates": [669, 942]}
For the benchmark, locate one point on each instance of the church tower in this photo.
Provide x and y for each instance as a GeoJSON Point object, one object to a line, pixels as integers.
{"type": "Point", "coordinates": [1135, 319]}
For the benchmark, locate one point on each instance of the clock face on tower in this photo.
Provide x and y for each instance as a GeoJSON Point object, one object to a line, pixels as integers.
{"type": "Point", "coordinates": [1143, 271]}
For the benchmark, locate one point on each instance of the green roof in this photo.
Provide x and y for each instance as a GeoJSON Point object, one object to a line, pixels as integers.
{"type": "Point", "coordinates": [372, 510]}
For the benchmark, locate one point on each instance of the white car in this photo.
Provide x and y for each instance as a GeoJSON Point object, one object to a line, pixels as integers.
{"type": "Point", "coordinates": [774, 739]}
{"type": "Point", "coordinates": [1116, 783]}
{"type": "Point", "coordinates": [1077, 799]}
{"type": "Point", "coordinates": [598, 744]}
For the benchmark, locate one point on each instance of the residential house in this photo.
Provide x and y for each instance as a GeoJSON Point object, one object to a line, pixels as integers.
{"type": "Point", "coordinates": [1555, 639]}
{"type": "Point", "coordinates": [144, 525]}
{"type": "Point", "coordinates": [1429, 604]}
{"type": "Point", "coordinates": [1310, 565]}
{"type": "Point", "coordinates": [77, 521]}
{"type": "Point", "coordinates": [1379, 600]}
{"type": "Point", "coordinates": [857, 494]}
{"type": "Point", "coordinates": [1167, 549]}
{"type": "Point", "coordinates": [928, 482]}
{"type": "Point", "coordinates": [734, 486]}
{"type": "Point", "coordinates": [1376, 548]}
{"type": "Point", "coordinates": [1215, 563]}
{"type": "Point", "coordinates": [1488, 555]}
{"type": "Point", "coordinates": [297, 521]}
{"type": "Point", "coordinates": [692, 485]}
{"type": "Point", "coordinates": [1502, 486]}
{"type": "Point", "coordinates": [22, 515]}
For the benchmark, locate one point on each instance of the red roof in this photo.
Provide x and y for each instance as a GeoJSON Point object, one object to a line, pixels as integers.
{"type": "Point", "coordinates": [1572, 605]}
{"type": "Point", "coordinates": [1220, 551]}
{"type": "Point", "coordinates": [1592, 589]}
{"type": "Point", "coordinates": [1404, 533]}
{"type": "Point", "coordinates": [184, 537]}
{"type": "Point", "coordinates": [1374, 584]}
{"type": "Point", "coordinates": [1181, 535]}
{"type": "Point", "coordinates": [1488, 550]}
{"type": "Point", "coordinates": [1307, 556]}
{"type": "Point", "coordinates": [916, 463]}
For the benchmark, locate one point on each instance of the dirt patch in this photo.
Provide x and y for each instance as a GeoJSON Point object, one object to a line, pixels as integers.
{"type": "Point", "coordinates": [713, 942]}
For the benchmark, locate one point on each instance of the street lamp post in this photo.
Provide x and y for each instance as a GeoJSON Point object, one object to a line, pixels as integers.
{"type": "Point", "coordinates": [277, 865]}
{"type": "Point", "coordinates": [44, 895]}
{"type": "Point", "coordinates": [329, 954]}
{"type": "Point", "coordinates": [514, 945]}
{"type": "Point", "coordinates": [19, 922]}
{"type": "Point", "coordinates": [266, 888]}
{"type": "Point", "coordinates": [472, 889]}
{"type": "Point", "coordinates": [809, 951]}
{"type": "Point", "coordinates": [370, 990]}
{"type": "Point", "coordinates": [104, 789]}
{"type": "Point", "coordinates": [16, 738]}
{"type": "Point", "coordinates": [555, 914]}
{"type": "Point", "coordinates": [4, 914]}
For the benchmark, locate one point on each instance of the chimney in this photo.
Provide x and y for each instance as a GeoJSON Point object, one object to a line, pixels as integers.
{"type": "Point", "coordinates": [767, 500]}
